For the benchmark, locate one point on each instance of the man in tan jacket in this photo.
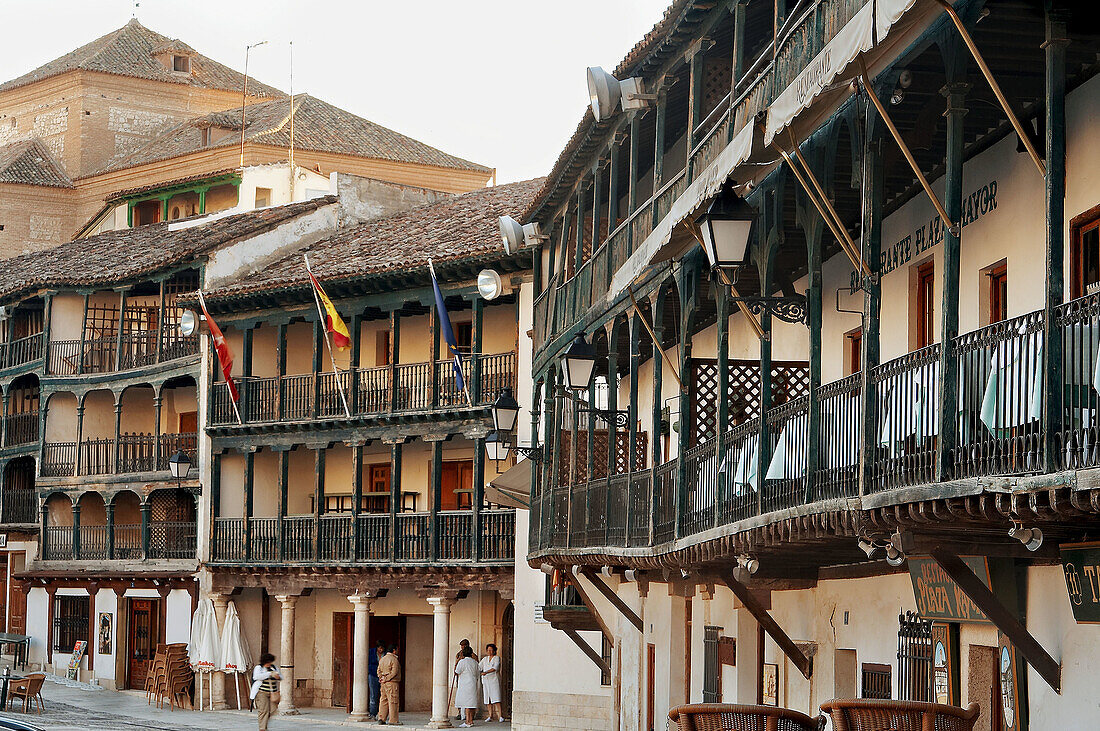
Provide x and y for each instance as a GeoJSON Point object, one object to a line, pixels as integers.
{"type": "Point", "coordinates": [389, 676]}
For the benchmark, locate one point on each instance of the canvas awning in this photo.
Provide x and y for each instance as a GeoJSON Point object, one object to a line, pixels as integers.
{"type": "Point", "coordinates": [513, 488]}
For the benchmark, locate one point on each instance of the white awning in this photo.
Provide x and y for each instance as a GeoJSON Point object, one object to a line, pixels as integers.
{"type": "Point", "coordinates": [513, 488]}
{"type": "Point", "coordinates": [705, 186]}
{"type": "Point", "coordinates": [866, 30]}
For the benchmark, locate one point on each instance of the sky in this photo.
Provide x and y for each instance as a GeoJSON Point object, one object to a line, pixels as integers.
{"type": "Point", "coordinates": [499, 82]}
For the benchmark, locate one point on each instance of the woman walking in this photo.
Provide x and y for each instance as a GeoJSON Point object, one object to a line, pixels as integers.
{"type": "Point", "coordinates": [466, 673]}
{"type": "Point", "coordinates": [490, 682]}
{"type": "Point", "coordinates": [265, 688]}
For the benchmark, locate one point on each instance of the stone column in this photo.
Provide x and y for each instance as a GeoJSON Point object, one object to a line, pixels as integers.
{"type": "Point", "coordinates": [285, 661]}
{"type": "Point", "coordinates": [217, 680]}
{"type": "Point", "coordinates": [361, 649]}
{"type": "Point", "coordinates": [441, 660]}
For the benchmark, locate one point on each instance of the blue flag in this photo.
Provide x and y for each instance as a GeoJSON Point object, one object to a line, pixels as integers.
{"type": "Point", "coordinates": [447, 331]}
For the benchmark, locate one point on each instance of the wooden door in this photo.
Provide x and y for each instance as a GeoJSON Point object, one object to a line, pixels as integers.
{"type": "Point", "coordinates": [189, 422]}
{"type": "Point", "coordinates": [5, 574]}
{"type": "Point", "coordinates": [378, 481]}
{"type": "Point", "coordinates": [142, 634]}
{"type": "Point", "coordinates": [17, 598]}
{"type": "Point", "coordinates": [343, 626]}
{"type": "Point", "coordinates": [391, 630]}
{"type": "Point", "coordinates": [650, 687]}
{"type": "Point", "coordinates": [456, 476]}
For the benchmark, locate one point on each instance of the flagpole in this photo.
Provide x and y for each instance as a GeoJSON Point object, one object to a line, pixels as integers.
{"type": "Point", "coordinates": [465, 385]}
{"type": "Point", "coordinates": [236, 411]}
{"type": "Point", "coordinates": [328, 343]}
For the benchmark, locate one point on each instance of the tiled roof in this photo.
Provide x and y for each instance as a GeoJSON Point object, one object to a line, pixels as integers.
{"type": "Point", "coordinates": [651, 43]}
{"type": "Point", "coordinates": [29, 162]}
{"type": "Point", "coordinates": [318, 126]}
{"type": "Point", "coordinates": [120, 256]}
{"type": "Point", "coordinates": [456, 228]}
{"type": "Point", "coordinates": [131, 51]}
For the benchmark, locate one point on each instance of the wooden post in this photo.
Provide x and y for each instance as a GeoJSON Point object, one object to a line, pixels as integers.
{"type": "Point", "coordinates": [157, 428]}
{"type": "Point", "coordinates": [280, 365]}
{"type": "Point", "coordinates": [79, 433]}
{"type": "Point", "coordinates": [614, 170]}
{"type": "Point", "coordinates": [872, 245]}
{"type": "Point", "coordinates": [738, 12]}
{"type": "Point", "coordinates": [284, 484]}
{"type": "Point", "coordinates": [395, 496]}
{"type": "Point", "coordinates": [477, 498]}
{"type": "Point", "coordinates": [318, 348]}
{"type": "Point", "coordinates": [612, 427]}
{"type": "Point", "coordinates": [76, 530]}
{"type": "Point", "coordinates": [771, 234]}
{"type": "Point", "coordinates": [433, 359]}
{"type": "Point", "coordinates": [146, 514]}
{"type": "Point", "coordinates": [318, 498]}
{"type": "Point", "coordinates": [657, 317]}
{"type": "Point", "coordinates": [246, 371]}
{"type": "Point", "coordinates": [633, 169]}
{"type": "Point", "coordinates": [722, 305]}
{"type": "Point", "coordinates": [578, 252]}
{"type": "Point", "coordinates": [661, 109]}
{"type": "Point", "coordinates": [109, 509]}
{"type": "Point", "coordinates": [632, 400]}
{"type": "Point", "coordinates": [597, 213]}
{"type": "Point", "coordinates": [1055, 106]}
{"type": "Point", "coordinates": [119, 334]}
{"type": "Point", "coordinates": [813, 230]}
{"type": "Point", "coordinates": [476, 372]}
{"type": "Point", "coordinates": [356, 497]}
{"type": "Point", "coordinates": [160, 324]}
{"type": "Point", "coordinates": [83, 337]}
{"type": "Point", "coordinates": [4, 423]}
{"type": "Point", "coordinates": [695, 95]}
{"type": "Point", "coordinates": [118, 436]}
{"type": "Point", "coordinates": [393, 355]}
{"type": "Point", "coordinates": [355, 357]}
{"type": "Point", "coordinates": [249, 478]}
{"type": "Point", "coordinates": [215, 503]}
{"type": "Point", "coordinates": [436, 481]}
{"type": "Point", "coordinates": [948, 396]}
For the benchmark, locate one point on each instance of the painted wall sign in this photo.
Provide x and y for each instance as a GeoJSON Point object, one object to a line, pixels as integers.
{"type": "Point", "coordinates": [937, 595]}
{"type": "Point", "coordinates": [1081, 565]}
{"type": "Point", "coordinates": [975, 205]}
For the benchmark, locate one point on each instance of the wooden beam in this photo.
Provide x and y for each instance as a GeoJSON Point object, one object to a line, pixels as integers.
{"type": "Point", "coordinates": [786, 644]}
{"type": "Point", "coordinates": [587, 650]}
{"type": "Point", "coordinates": [592, 608]}
{"type": "Point", "coordinates": [612, 597]}
{"type": "Point", "coordinates": [1045, 665]}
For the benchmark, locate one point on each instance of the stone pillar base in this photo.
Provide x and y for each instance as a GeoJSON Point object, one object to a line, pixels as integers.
{"type": "Point", "coordinates": [290, 712]}
{"type": "Point", "coordinates": [446, 723]}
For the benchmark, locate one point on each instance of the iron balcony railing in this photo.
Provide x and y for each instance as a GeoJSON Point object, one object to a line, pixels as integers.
{"type": "Point", "coordinates": [22, 351]}
{"type": "Point", "coordinates": [18, 505]}
{"type": "Point", "coordinates": [121, 541]}
{"type": "Point", "coordinates": [21, 428]}
{"type": "Point", "coordinates": [565, 302]}
{"type": "Point", "coordinates": [368, 391]}
{"type": "Point", "coordinates": [114, 352]}
{"type": "Point", "coordinates": [1007, 420]}
{"type": "Point", "coordinates": [368, 538]}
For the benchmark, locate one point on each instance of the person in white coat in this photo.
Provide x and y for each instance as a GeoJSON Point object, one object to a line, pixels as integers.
{"type": "Point", "coordinates": [466, 675]}
{"type": "Point", "coordinates": [490, 682]}
{"type": "Point", "coordinates": [265, 689]}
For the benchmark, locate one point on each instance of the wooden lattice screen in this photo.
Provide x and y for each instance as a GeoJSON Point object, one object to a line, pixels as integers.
{"type": "Point", "coordinates": [717, 75]}
{"type": "Point", "coordinates": [578, 460]}
{"type": "Point", "coordinates": [790, 380]}
{"type": "Point", "coordinates": [102, 321]}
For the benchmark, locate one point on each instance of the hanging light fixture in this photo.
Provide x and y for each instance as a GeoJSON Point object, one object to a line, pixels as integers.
{"type": "Point", "coordinates": [496, 447]}
{"type": "Point", "coordinates": [1032, 538]}
{"type": "Point", "coordinates": [179, 463]}
{"type": "Point", "coordinates": [726, 228]}
{"type": "Point", "coordinates": [505, 411]}
{"type": "Point", "coordinates": [578, 363]}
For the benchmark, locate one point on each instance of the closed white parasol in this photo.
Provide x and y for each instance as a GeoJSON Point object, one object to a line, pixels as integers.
{"type": "Point", "coordinates": [234, 650]}
{"type": "Point", "coordinates": [204, 649]}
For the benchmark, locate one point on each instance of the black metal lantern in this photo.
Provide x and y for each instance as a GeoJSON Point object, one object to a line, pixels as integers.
{"type": "Point", "coordinates": [496, 446]}
{"type": "Point", "coordinates": [578, 363]}
{"type": "Point", "coordinates": [179, 463]}
{"type": "Point", "coordinates": [726, 228]}
{"type": "Point", "coordinates": [505, 411]}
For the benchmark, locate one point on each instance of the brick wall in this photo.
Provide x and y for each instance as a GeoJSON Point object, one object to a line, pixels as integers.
{"type": "Point", "coordinates": [34, 218]}
{"type": "Point", "coordinates": [532, 711]}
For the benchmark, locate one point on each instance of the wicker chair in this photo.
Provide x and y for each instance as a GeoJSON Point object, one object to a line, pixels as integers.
{"type": "Point", "coordinates": [873, 715]}
{"type": "Point", "coordinates": [729, 717]}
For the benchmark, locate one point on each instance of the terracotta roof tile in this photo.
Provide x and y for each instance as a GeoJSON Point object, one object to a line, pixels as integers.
{"type": "Point", "coordinates": [131, 51]}
{"type": "Point", "coordinates": [121, 256]}
{"type": "Point", "coordinates": [455, 228]}
{"type": "Point", "coordinates": [30, 162]}
{"type": "Point", "coordinates": [318, 126]}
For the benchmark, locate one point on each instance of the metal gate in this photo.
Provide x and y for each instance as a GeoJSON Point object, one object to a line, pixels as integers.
{"type": "Point", "coordinates": [712, 670]}
{"type": "Point", "coordinates": [914, 657]}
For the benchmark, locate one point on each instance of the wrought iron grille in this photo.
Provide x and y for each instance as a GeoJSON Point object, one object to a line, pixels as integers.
{"type": "Point", "coordinates": [70, 622]}
{"type": "Point", "coordinates": [914, 658]}
{"type": "Point", "coordinates": [712, 669]}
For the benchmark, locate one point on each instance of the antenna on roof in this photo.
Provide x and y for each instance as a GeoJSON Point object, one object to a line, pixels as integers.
{"type": "Point", "coordinates": [136, 6]}
{"type": "Point", "coordinates": [244, 93]}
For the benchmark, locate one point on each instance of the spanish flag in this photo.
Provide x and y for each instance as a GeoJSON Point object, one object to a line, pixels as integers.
{"type": "Point", "coordinates": [333, 322]}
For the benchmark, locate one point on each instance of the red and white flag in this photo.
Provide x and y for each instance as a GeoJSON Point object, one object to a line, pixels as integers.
{"type": "Point", "coordinates": [225, 355]}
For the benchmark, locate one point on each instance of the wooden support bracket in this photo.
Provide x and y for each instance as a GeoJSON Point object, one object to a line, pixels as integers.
{"type": "Point", "coordinates": [592, 608]}
{"type": "Point", "coordinates": [587, 650]}
{"type": "Point", "coordinates": [1045, 665]}
{"type": "Point", "coordinates": [612, 597]}
{"type": "Point", "coordinates": [786, 644]}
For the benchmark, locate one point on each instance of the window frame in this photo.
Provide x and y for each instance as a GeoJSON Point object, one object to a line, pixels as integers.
{"type": "Point", "coordinates": [1079, 226]}
{"type": "Point", "coordinates": [924, 321]}
{"type": "Point", "coordinates": [997, 310]}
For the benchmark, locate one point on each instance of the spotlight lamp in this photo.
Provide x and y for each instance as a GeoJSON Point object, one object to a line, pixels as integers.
{"type": "Point", "coordinates": [489, 284]}
{"type": "Point", "coordinates": [190, 322]}
{"type": "Point", "coordinates": [1032, 538]}
{"type": "Point", "coordinates": [868, 547]}
{"type": "Point", "coordinates": [511, 234]}
{"type": "Point", "coordinates": [606, 93]}
{"type": "Point", "coordinates": [748, 563]}
{"type": "Point", "coordinates": [894, 555]}
{"type": "Point", "coordinates": [578, 363]}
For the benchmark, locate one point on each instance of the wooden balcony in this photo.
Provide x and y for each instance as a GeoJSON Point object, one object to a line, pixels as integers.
{"type": "Point", "coordinates": [1006, 423]}
{"type": "Point", "coordinates": [114, 352]}
{"type": "Point", "coordinates": [401, 388]}
{"type": "Point", "coordinates": [22, 352]}
{"type": "Point", "coordinates": [21, 428]}
{"type": "Point", "coordinates": [131, 453]}
{"type": "Point", "coordinates": [447, 537]}
{"type": "Point", "coordinates": [154, 540]}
